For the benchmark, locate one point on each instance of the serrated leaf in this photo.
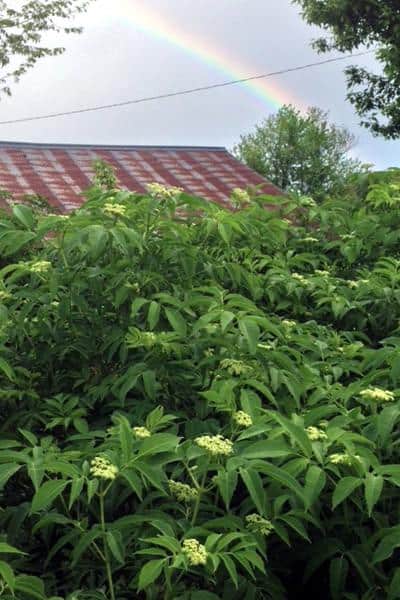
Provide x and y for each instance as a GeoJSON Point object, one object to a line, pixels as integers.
{"type": "Point", "coordinates": [373, 489]}
{"type": "Point", "coordinates": [254, 485]}
{"type": "Point", "coordinates": [46, 494]}
{"type": "Point", "coordinates": [344, 488]}
{"type": "Point", "coordinates": [150, 572]}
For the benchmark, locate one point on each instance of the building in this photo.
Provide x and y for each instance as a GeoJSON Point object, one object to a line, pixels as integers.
{"type": "Point", "coordinates": [60, 172]}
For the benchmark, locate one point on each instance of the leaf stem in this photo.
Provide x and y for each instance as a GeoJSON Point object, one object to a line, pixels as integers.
{"type": "Point", "coordinates": [106, 554]}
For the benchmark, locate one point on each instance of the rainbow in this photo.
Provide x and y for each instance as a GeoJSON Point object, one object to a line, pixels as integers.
{"type": "Point", "coordinates": [159, 28]}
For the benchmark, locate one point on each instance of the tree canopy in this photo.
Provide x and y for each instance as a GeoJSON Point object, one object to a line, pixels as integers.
{"type": "Point", "coordinates": [21, 32]}
{"type": "Point", "coordinates": [364, 23]}
{"type": "Point", "coordinates": [300, 153]}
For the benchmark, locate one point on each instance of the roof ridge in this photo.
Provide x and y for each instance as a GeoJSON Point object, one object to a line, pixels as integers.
{"type": "Point", "coordinates": [10, 144]}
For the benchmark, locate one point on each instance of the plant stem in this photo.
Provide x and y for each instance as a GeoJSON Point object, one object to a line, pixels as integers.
{"type": "Point", "coordinates": [106, 554]}
{"type": "Point", "coordinates": [198, 499]}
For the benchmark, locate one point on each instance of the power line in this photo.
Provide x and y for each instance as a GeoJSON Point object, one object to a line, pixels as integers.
{"type": "Point", "coordinates": [184, 92]}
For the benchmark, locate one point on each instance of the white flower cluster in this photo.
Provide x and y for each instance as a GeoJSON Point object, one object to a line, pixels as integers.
{"type": "Point", "coordinates": [288, 323]}
{"type": "Point", "coordinates": [258, 524]}
{"type": "Point", "coordinates": [182, 491]}
{"type": "Point", "coordinates": [240, 196]}
{"type": "Point", "coordinates": [40, 266]}
{"type": "Point", "coordinates": [164, 191]}
{"type": "Point", "coordinates": [242, 419]}
{"type": "Point", "coordinates": [342, 459]}
{"type": "Point", "coordinates": [4, 295]}
{"type": "Point", "coordinates": [103, 468]}
{"type": "Point", "coordinates": [141, 432]}
{"type": "Point", "coordinates": [215, 444]}
{"type": "Point", "coordinates": [322, 272]}
{"type": "Point", "coordinates": [235, 367]}
{"type": "Point", "coordinates": [377, 394]}
{"type": "Point", "coordinates": [114, 209]}
{"type": "Point", "coordinates": [309, 240]}
{"type": "Point", "coordinates": [315, 434]}
{"type": "Point", "coordinates": [195, 552]}
{"type": "Point", "coordinates": [300, 278]}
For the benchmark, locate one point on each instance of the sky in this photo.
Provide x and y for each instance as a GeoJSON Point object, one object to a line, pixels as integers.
{"type": "Point", "coordinates": [138, 48]}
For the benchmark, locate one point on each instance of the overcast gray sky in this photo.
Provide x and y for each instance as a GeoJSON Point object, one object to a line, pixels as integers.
{"type": "Point", "coordinates": [136, 48]}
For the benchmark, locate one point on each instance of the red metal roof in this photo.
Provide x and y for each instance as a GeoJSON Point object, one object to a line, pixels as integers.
{"type": "Point", "coordinates": [59, 172]}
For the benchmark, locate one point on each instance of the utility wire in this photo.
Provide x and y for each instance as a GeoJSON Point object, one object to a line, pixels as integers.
{"type": "Point", "coordinates": [184, 92]}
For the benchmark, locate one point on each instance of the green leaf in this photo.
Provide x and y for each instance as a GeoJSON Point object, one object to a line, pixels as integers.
{"type": "Point", "coordinates": [7, 369]}
{"type": "Point", "coordinates": [84, 542]}
{"type": "Point", "coordinates": [231, 568]}
{"type": "Point", "coordinates": [295, 524]}
{"type": "Point", "coordinates": [266, 449]}
{"type": "Point", "coordinates": [24, 215]}
{"type": "Point", "coordinates": [46, 494]}
{"type": "Point", "coordinates": [394, 587]}
{"type": "Point", "coordinates": [150, 572]}
{"type": "Point", "coordinates": [125, 439]}
{"type": "Point", "coordinates": [76, 489]}
{"type": "Point", "coordinates": [251, 333]}
{"type": "Point", "coordinates": [315, 483]}
{"type": "Point", "coordinates": [226, 482]}
{"type": "Point", "coordinates": [225, 319]}
{"type": "Point", "coordinates": [254, 485]}
{"type": "Point", "coordinates": [176, 320]}
{"type": "Point", "coordinates": [338, 570]}
{"type": "Point", "coordinates": [373, 489]}
{"type": "Point", "coordinates": [296, 432]}
{"type": "Point", "coordinates": [344, 488]}
{"type": "Point", "coordinates": [386, 547]}
{"type": "Point", "coordinates": [284, 478]}
{"type": "Point", "coordinates": [31, 586]}
{"type": "Point", "coordinates": [7, 471]}
{"type": "Point", "coordinates": [134, 482]}
{"type": "Point", "coordinates": [153, 315]}
{"type": "Point", "coordinates": [158, 442]}
{"type": "Point", "coordinates": [116, 545]}
{"type": "Point", "coordinates": [7, 574]}
{"type": "Point", "coordinates": [7, 549]}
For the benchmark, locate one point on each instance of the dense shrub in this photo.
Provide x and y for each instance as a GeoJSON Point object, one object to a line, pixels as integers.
{"type": "Point", "coordinates": [199, 403]}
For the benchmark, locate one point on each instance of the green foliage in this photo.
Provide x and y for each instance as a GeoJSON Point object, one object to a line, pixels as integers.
{"type": "Point", "coordinates": [300, 153]}
{"type": "Point", "coordinates": [371, 24]}
{"type": "Point", "coordinates": [23, 25]}
{"type": "Point", "coordinates": [197, 403]}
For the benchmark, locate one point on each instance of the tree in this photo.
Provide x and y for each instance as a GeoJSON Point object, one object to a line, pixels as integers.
{"type": "Point", "coordinates": [365, 23]}
{"type": "Point", "coordinates": [298, 152]}
{"type": "Point", "coordinates": [22, 29]}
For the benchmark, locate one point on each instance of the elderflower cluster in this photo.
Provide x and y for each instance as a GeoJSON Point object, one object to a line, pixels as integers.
{"type": "Point", "coordinates": [103, 468]}
{"type": "Point", "coordinates": [315, 434]}
{"type": "Point", "coordinates": [342, 459]}
{"type": "Point", "coordinates": [242, 419]}
{"type": "Point", "coordinates": [114, 209]}
{"type": "Point", "coordinates": [195, 552]}
{"type": "Point", "coordinates": [353, 284]}
{"type": "Point", "coordinates": [240, 196]}
{"type": "Point", "coordinates": [215, 444]}
{"type": "Point", "coordinates": [40, 266]}
{"type": "Point", "coordinates": [289, 323]}
{"type": "Point", "coordinates": [377, 394]}
{"type": "Point", "coordinates": [182, 491]}
{"type": "Point", "coordinates": [167, 192]}
{"type": "Point", "coordinates": [235, 367]}
{"type": "Point", "coordinates": [265, 346]}
{"type": "Point", "coordinates": [258, 524]}
{"type": "Point", "coordinates": [141, 432]}
{"type": "Point", "coordinates": [300, 278]}
{"type": "Point", "coordinates": [4, 295]}
{"type": "Point", "coordinates": [306, 201]}
{"type": "Point", "coordinates": [322, 272]}
{"type": "Point", "coordinates": [309, 240]}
